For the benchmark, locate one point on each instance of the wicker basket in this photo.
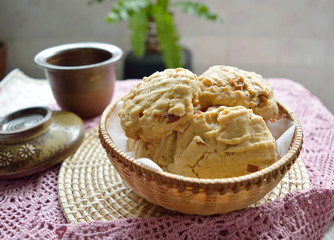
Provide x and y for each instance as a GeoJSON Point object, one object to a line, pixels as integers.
{"type": "Point", "coordinates": [198, 196]}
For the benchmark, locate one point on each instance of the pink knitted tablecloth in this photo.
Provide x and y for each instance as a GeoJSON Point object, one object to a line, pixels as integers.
{"type": "Point", "coordinates": [29, 207]}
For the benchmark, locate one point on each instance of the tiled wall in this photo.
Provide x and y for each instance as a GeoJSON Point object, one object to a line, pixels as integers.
{"type": "Point", "coordinates": [287, 38]}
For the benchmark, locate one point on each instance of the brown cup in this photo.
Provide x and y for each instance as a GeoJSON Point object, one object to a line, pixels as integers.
{"type": "Point", "coordinates": [81, 75]}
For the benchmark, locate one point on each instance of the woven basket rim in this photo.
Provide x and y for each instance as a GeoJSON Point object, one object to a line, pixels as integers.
{"type": "Point", "coordinates": [90, 188]}
{"type": "Point", "coordinates": [273, 171]}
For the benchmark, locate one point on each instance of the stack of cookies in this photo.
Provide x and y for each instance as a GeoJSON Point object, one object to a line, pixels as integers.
{"type": "Point", "coordinates": [211, 126]}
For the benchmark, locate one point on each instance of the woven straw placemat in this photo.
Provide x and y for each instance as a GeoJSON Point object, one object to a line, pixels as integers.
{"type": "Point", "coordinates": [90, 189]}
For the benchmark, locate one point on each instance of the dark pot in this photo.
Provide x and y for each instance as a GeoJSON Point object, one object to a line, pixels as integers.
{"type": "Point", "coordinates": [139, 67]}
{"type": "Point", "coordinates": [3, 59]}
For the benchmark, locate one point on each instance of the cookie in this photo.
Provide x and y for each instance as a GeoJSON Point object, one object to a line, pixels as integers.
{"type": "Point", "coordinates": [224, 142]}
{"type": "Point", "coordinates": [230, 86]}
{"type": "Point", "coordinates": [161, 150]}
{"type": "Point", "coordinates": [219, 143]}
{"type": "Point", "coordinates": [162, 103]}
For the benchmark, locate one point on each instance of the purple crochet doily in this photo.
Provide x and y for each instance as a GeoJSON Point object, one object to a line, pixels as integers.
{"type": "Point", "coordinates": [30, 209]}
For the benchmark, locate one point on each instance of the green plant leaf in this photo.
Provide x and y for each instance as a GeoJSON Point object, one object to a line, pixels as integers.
{"type": "Point", "coordinates": [168, 37]}
{"type": "Point", "coordinates": [123, 9]}
{"type": "Point", "coordinates": [94, 1]}
{"type": "Point", "coordinates": [198, 10]}
{"type": "Point", "coordinates": [163, 3]}
{"type": "Point", "coordinates": [138, 24]}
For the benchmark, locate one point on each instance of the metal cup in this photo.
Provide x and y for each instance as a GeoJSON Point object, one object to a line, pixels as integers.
{"type": "Point", "coordinates": [81, 75]}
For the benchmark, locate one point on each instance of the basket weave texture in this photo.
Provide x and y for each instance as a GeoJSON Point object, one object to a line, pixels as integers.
{"type": "Point", "coordinates": [90, 189]}
{"type": "Point", "coordinates": [198, 196]}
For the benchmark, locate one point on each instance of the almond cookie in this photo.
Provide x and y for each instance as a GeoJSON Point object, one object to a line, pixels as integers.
{"type": "Point", "coordinates": [219, 143]}
{"type": "Point", "coordinates": [230, 86]}
{"type": "Point", "coordinates": [224, 142]}
{"type": "Point", "coordinates": [161, 151]}
{"type": "Point", "coordinates": [162, 103]}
